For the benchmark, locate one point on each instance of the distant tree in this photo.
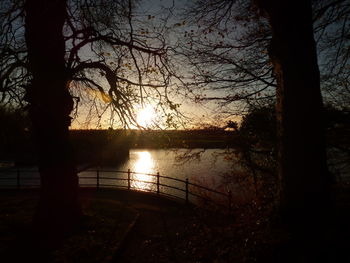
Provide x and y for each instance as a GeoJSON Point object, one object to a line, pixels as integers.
{"type": "Point", "coordinates": [260, 122]}
{"type": "Point", "coordinates": [337, 123]}
{"type": "Point", "coordinates": [256, 151]}
{"type": "Point", "coordinates": [232, 125]}
{"type": "Point", "coordinates": [14, 132]}
{"type": "Point", "coordinates": [258, 145]}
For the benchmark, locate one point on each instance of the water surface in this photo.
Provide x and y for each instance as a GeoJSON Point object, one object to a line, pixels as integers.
{"type": "Point", "coordinates": [198, 166]}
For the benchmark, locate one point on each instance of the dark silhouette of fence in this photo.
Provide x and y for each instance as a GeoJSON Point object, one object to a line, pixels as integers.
{"type": "Point", "coordinates": [101, 178]}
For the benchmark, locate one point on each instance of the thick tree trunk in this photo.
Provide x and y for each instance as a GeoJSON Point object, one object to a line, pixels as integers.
{"type": "Point", "coordinates": [303, 171]}
{"type": "Point", "coordinates": [49, 106]}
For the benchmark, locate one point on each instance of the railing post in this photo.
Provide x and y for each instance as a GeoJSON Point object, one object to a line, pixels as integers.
{"type": "Point", "coordinates": [97, 178]}
{"type": "Point", "coordinates": [229, 202]}
{"type": "Point", "coordinates": [128, 179]}
{"type": "Point", "coordinates": [18, 179]}
{"type": "Point", "coordinates": [187, 190]}
{"type": "Point", "coordinates": [158, 183]}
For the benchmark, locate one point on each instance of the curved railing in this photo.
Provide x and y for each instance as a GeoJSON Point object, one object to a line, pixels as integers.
{"type": "Point", "coordinates": [103, 178]}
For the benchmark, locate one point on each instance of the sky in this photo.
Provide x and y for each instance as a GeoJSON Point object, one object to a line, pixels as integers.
{"type": "Point", "coordinates": [195, 114]}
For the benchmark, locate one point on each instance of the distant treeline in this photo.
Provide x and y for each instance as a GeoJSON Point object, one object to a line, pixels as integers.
{"type": "Point", "coordinates": [156, 138]}
{"type": "Point", "coordinates": [179, 138]}
{"type": "Point", "coordinates": [95, 147]}
{"type": "Point", "coordinates": [112, 146]}
{"type": "Point", "coordinates": [100, 147]}
{"type": "Point", "coordinates": [15, 139]}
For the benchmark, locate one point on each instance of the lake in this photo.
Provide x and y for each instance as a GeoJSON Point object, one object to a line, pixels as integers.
{"type": "Point", "coordinates": [203, 167]}
{"type": "Point", "coordinates": [206, 168]}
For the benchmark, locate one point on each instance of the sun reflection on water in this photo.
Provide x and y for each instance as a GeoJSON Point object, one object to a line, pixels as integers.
{"type": "Point", "coordinates": [143, 165]}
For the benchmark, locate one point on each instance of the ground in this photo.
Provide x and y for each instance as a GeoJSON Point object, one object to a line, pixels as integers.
{"type": "Point", "coordinates": [126, 226]}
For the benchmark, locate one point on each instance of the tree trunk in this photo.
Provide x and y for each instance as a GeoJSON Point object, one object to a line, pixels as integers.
{"type": "Point", "coordinates": [49, 107]}
{"type": "Point", "coordinates": [303, 170]}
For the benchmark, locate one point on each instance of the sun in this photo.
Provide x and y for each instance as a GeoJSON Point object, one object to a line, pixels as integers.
{"type": "Point", "coordinates": [146, 116]}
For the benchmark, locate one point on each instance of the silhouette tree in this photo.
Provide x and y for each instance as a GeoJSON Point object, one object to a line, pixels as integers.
{"type": "Point", "coordinates": [331, 19]}
{"type": "Point", "coordinates": [116, 58]}
{"type": "Point", "coordinates": [228, 48]}
{"type": "Point", "coordinates": [59, 209]}
{"type": "Point", "coordinates": [57, 53]}
{"type": "Point", "coordinates": [278, 53]}
{"type": "Point", "coordinates": [302, 153]}
{"type": "Point", "coordinates": [258, 140]}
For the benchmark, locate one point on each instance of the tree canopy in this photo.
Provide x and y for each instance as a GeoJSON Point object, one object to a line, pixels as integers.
{"type": "Point", "coordinates": [116, 59]}
{"type": "Point", "coordinates": [228, 48]}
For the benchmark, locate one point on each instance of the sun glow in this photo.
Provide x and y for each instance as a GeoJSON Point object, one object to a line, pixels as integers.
{"type": "Point", "coordinates": [143, 166]}
{"type": "Point", "coordinates": [146, 116]}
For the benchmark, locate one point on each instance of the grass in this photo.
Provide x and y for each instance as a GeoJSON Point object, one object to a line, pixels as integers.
{"type": "Point", "coordinates": [165, 232]}
{"type": "Point", "coordinates": [103, 228]}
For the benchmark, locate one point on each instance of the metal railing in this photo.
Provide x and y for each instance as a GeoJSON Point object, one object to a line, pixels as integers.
{"type": "Point", "coordinates": [128, 180]}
